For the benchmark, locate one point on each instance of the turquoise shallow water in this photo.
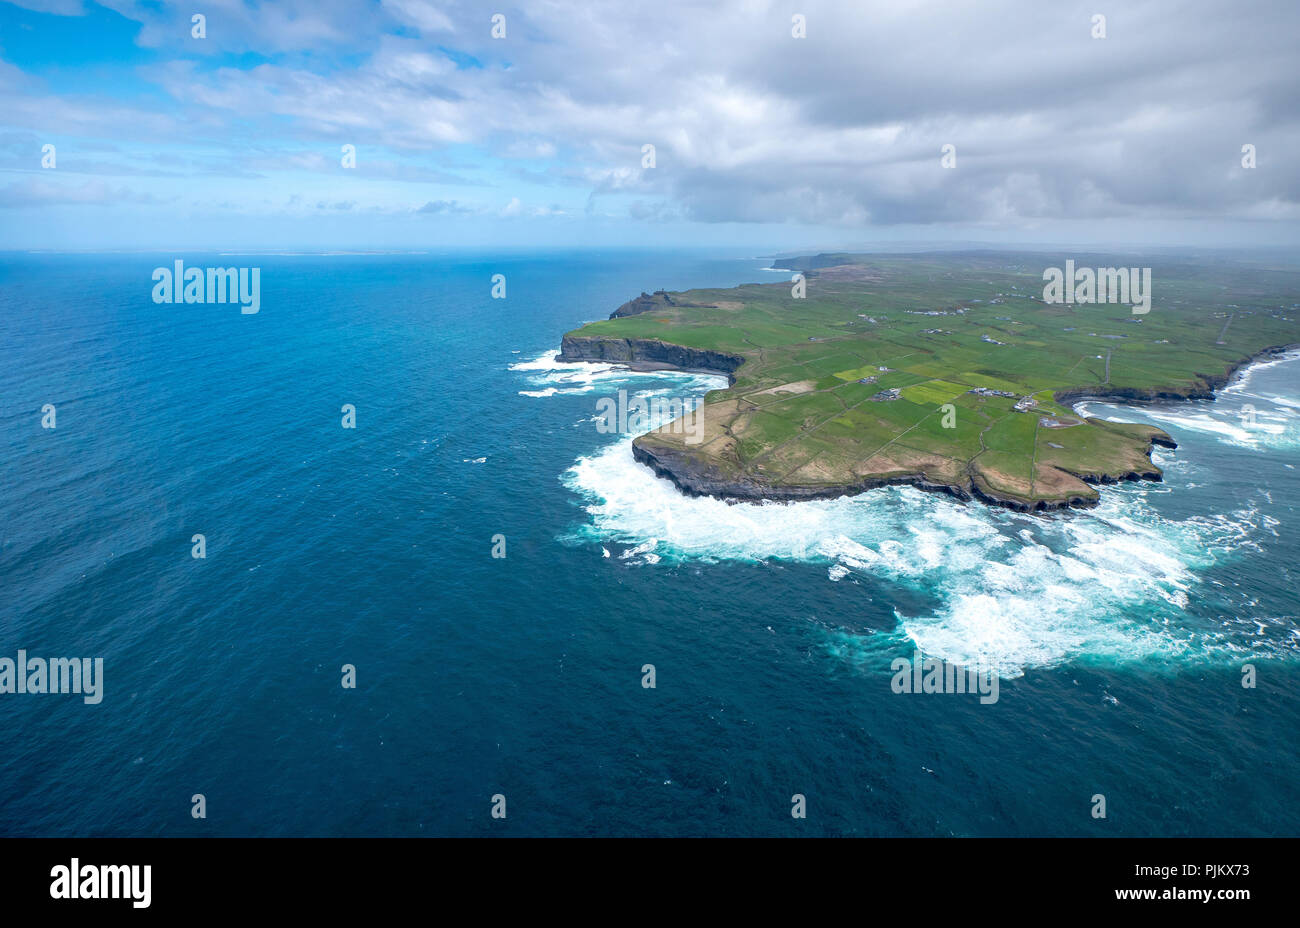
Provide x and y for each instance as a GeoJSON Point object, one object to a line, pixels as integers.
{"type": "Point", "coordinates": [1119, 633]}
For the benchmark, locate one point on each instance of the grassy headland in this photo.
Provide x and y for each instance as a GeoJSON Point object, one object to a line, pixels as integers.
{"type": "Point", "coordinates": [916, 369]}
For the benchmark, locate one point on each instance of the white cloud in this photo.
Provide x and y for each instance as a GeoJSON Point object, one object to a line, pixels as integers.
{"type": "Point", "coordinates": [423, 15]}
{"type": "Point", "coordinates": [750, 125]}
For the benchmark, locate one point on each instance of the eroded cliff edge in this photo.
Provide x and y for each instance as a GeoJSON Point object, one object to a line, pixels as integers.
{"type": "Point", "coordinates": [697, 475]}
{"type": "Point", "coordinates": [646, 354]}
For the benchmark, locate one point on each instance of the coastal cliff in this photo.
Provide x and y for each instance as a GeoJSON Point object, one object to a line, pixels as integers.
{"type": "Point", "coordinates": [645, 303]}
{"type": "Point", "coordinates": [879, 375]}
{"type": "Point", "coordinates": [699, 475]}
{"type": "Point", "coordinates": [696, 476]}
{"type": "Point", "coordinates": [646, 354]}
{"type": "Point", "coordinates": [1205, 387]}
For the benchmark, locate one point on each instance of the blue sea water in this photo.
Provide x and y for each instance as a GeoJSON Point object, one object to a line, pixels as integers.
{"type": "Point", "coordinates": [1119, 633]}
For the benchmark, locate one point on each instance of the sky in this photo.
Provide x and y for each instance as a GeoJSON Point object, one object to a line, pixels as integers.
{"type": "Point", "coordinates": [775, 126]}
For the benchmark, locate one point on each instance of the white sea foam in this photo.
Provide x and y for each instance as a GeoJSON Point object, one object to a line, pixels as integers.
{"type": "Point", "coordinates": [1242, 415]}
{"type": "Point", "coordinates": [553, 377]}
{"type": "Point", "coordinates": [1241, 382]}
{"type": "Point", "coordinates": [1269, 423]}
{"type": "Point", "coordinates": [1285, 401]}
{"type": "Point", "coordinates": [1006, 590]}
{"type": "Point", "coordinates": [1010, 591]}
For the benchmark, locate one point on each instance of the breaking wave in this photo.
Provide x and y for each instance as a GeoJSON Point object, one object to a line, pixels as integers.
{"type": "Point", "coordinates": [552, 377]}
{"type": "Point", "coordinates": [1011, 591]}
{"type": "Point", "coordinates": [1249, 413]}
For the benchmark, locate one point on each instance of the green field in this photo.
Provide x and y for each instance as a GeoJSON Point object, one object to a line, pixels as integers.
{"type": "Point", "coordinates": [798, 421]}
{"type": "Point", "coordinates": [934, 392]}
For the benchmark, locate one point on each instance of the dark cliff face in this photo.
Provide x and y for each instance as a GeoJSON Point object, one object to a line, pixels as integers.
{"type": "Point", "coordinates": [1203, 389]}
{"type": "Point", "coordinates": [698, 478]}
{"type": "Point", "coordinates": [660, 299]}
{"type": "Point", "coordinates": [644, 304]}
{"type": "Point", "coordinates": [648, 354]}
{"type": "Point", "coordinates": [809, 264]}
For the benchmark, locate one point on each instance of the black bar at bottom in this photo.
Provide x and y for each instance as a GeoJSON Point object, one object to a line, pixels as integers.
{"type": "Point", "coordinates": [335, 876]}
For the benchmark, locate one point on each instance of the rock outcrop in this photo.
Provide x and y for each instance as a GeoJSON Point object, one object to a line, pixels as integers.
{"type": "Point", "coordinates": [648, 354]}
{"type": "Point", "coordinates": [644, 304]}
{"type": "Point", "coordinates": [696, 476]}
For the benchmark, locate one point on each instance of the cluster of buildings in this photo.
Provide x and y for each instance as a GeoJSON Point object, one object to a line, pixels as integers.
{"type": "Point", "coordinates": [1025, 402]}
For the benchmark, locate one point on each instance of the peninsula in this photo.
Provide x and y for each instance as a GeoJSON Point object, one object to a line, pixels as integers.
{"type": "Point", "coordinates": [949, 372]}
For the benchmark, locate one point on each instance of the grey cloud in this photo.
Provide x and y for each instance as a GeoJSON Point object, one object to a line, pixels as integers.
{"type": "Point", "coordinates": [442, 207]}
{"type": "Point", "coordinates": [750, 125]}
{"type": "Point", "coordinates": [41, 192]}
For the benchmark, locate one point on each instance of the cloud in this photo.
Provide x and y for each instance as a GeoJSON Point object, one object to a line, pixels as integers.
{"type": "Point", "coordinates": [843, 128]}
{"type": "Point", "coordinates": [419, 13]}
{"type": "Point", "coordinates": [443, 207]}
{"type": "Point", "coordinates": [643, 211]}
{"type": "Point", "coordinates": [38, 192]}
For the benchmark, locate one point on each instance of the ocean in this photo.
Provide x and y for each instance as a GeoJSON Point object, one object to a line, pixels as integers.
{"type": "Point", "coordinates": [1119, 634]}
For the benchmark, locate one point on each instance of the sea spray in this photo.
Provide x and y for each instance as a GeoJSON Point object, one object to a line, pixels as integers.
{"type": "Point", "coordinates": [1009, 591]}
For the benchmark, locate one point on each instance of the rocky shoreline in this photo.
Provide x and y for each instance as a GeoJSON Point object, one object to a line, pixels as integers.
{"type": "Point", "coordinates": [1206, 389]}
{"type": "Point", "coordinates": [687, 474]}
{"type": "Point", "coordinates": [697, 478]}
{"type": "Point", "coordinates": [647, 354]}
